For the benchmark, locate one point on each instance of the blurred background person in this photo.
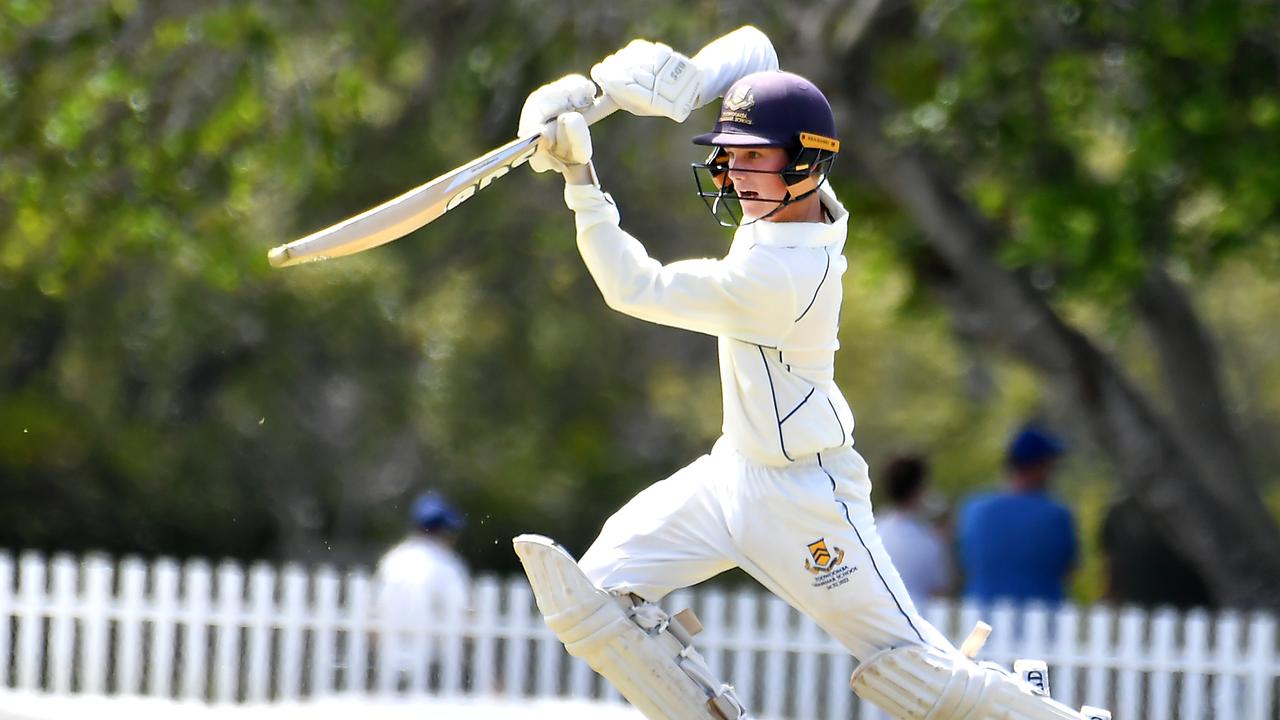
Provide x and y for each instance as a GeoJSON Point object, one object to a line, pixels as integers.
{"type": "Point", "coordinates": [1142, 568]}
{"type": "Point", "coordinates": [909, 531]}
{"type": "Point", "coordinates": [1019, 543]}
{"type": "Point", "coordinates": [422, 582]}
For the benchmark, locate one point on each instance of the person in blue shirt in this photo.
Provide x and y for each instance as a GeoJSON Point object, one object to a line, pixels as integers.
{"type": "Point", "coordinates": [1019, 543]}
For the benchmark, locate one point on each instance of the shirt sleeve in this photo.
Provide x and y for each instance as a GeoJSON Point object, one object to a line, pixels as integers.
{"type": "Point", "coordinates": [748, 297]}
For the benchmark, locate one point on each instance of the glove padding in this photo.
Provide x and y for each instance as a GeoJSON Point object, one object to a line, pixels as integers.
{"type": "Point", "coordinates": [651, 79]}
{"type": "Point", "coordinates": [566, 141]}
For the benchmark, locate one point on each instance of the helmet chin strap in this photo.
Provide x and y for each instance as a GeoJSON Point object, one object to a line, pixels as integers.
{"type": "Point", "coordinates": [790, 199]}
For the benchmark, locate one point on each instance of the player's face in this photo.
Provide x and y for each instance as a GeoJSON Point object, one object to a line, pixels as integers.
{"type": "Point", "coordinates": [760, 191]}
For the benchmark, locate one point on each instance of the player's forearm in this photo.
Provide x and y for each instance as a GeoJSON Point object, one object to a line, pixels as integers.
{"type": "Point", "coordinates": [630, 281]}
{"type": "Point", "coordinates": [618, 263]}
{"type": "Point", "coordinates": [750, 300]}
{"type": "Point", "coordinates": [734, 56]}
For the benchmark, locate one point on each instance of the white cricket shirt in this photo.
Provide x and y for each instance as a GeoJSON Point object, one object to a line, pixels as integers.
{"type": "Point", "coordinates": [918, 552]}
{"type": "Point", "coordinates": [420, 580]}
{"type": "Point", "coordinates": [774, 303]}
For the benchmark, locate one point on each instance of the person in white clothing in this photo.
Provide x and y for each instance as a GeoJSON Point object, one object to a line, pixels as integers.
{"type": "Point", "coordinates": [782, 494]}
{"type": "Point", "coordinates": [915, 544]}
{"type": "Point", "coordinates": [422, 583]}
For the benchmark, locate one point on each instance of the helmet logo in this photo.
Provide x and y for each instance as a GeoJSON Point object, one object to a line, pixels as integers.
{"type": "Point", "coordinates": [738, 105]}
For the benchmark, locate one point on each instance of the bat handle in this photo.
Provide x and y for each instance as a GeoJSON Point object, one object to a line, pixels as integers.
{"type": "Point", "coordinates": [603, 107]}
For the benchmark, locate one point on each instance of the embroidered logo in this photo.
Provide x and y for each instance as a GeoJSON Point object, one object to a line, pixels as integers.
{"type": "Point", "coordinates": [738, 105]}
{"type": "Point", "coordinates": [822, 559]}
{"type": "Point", "coordinates": [827, 565]}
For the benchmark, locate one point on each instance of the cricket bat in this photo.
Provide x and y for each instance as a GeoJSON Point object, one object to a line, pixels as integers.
{"type": "Point", "coordinates": [402, 215]}
{"type": "Point", "coordinates": [722, 61]}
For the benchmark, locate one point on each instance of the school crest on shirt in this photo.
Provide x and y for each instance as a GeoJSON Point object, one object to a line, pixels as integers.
{"type": "Point", "coordinates": [827, 565]}
{"type": "Point", "coordinates": [822, 560]}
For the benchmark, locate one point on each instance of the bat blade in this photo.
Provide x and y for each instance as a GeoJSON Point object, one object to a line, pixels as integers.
{"type": "Point", "coordinates": [402, 215]}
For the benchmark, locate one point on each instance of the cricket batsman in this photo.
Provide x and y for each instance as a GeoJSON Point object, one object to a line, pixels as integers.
{"type": "Point", "coordinates": [783, 494]}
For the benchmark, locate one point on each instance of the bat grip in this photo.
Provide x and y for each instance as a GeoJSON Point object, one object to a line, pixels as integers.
{"type": "Point", "coordinates": [603, 107]}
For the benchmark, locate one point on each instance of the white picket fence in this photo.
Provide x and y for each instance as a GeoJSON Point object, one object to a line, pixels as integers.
{"type": "Point", "coordinates": [95, 626]}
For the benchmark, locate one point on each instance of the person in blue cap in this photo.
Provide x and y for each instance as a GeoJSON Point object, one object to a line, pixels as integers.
{"type": "Point", "coordinates": [422, 582]}
{"type": "Point", "coordinates": [783, 494]}
{"type": "Point", "coordinates": [1019, 543]}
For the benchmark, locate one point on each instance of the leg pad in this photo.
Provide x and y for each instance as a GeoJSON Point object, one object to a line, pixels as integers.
{"type": "Point", "coordinates": [922, 683]}
{"type": "Point", "coordinates": [645, 653]}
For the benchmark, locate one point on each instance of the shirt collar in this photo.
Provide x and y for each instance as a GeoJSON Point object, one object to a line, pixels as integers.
{"type": "Point", "coordinates": [800, 234]}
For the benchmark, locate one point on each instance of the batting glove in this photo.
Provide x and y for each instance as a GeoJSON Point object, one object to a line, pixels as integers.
{"type": "Point", "coordinates": [648, 78]}
{"type": "Point", "coordinates": [554, 110]}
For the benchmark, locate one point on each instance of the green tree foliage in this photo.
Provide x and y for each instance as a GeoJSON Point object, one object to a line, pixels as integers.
{"type": "Point", "coordinates": [163, 391]}
{"type": "Point", "coordinates": [1071, 161]}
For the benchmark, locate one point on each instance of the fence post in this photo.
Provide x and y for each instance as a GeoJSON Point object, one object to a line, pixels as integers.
{"type": "Point", "coordinates": [1129, 673]}
{"type": "Point", "coordinates": [518, 626]}
{"type": "Point", "coordinates": [712, 615]}
{"type": "Point", "coordinates": [778, 630]}
{"type": "Point", "coordinates": [323, 636]}
{"type": "Point", "coordinates": [1006, 633]}
{"type": "Point", "coordinates": [96, 611]}
{"type": "Point", "coordinates": [164, 619]}
{"type": "Point", "coordinates": [1163, 629]}
{"type": "Point", "coordinates": [1067, 648]}
{"type": "Point", "coordinates": [1034, 642]}
{"type": "Point", "coordinates": [745, 626]}
{"type": "Point", "coordinates": [226, 638]}
{"type": "Point", "coordinates": [1226, 655]}
{"type": "Point", "coordinates": [295, 612]}
{"type": "Point", "coordinates": [451, 649]}
{"type": "Point", "coordinates": [839, 693]}
{"type": "Point", "coordinates": [1259, 701]}
{"type": "Point", "coordinates": [30, 625]}
{"type": "Point", "coordinates": [546, 669]}
{"type": "Point", "coordinates": [806, 685]}
{"type": "Point", "coordinates": [486, 620]}
{"type": "Point", "coordinates": [359, 608]}
{"type": "Point", "coordinates": [385, 628]}
{"type": "Point", "coordinates": [196, 583]}
{"type": "Point", "coordinates": [262, 586]}
{"type": "Point", "coordinates": [1098, 675]}
{"type": "Point", "coordinates": [128, 665]}
{"type": "Point", "coordinates": [61, 625]}
{"type": "Point", "coordinates": [6, 611]}
{"type": "Point", "coordinates": [1195, 651]}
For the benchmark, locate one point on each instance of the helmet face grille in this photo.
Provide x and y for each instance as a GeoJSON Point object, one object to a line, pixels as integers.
{"type": "Point", "coordinates": [717, 193]}
{"type": "Point", "coordinates": [806, 172]}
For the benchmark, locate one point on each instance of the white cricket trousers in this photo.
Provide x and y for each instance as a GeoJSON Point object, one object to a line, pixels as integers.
{"type": "Point", "coordinates": [805, 531]}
